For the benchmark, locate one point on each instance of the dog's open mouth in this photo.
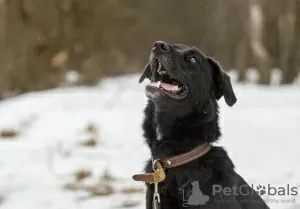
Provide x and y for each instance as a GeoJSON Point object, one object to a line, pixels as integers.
{"type": "Point", "coordinates": [165, 83]}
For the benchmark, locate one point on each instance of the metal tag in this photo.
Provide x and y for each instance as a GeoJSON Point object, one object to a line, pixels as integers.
{"type": "Point", "coordinates": [159, 173]}
{"type": "Point", "coordinates": [156, 197]}
{"type": "Point", "coordinates": [156, 205]}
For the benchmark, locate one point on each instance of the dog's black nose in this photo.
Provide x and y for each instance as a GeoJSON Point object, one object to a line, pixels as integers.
{"type": "Point", "coordinates": [161, 45]}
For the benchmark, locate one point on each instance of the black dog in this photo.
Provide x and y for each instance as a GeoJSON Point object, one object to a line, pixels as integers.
{"type": "Point", "coordinates": [182, 113]}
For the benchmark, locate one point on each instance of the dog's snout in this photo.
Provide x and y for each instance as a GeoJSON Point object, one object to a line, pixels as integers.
{"type": "Point", "coordinates": [161, 45]}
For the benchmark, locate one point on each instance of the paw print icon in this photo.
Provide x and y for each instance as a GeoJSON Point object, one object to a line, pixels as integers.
{"type": "Point", "coordinates": [261, 190]}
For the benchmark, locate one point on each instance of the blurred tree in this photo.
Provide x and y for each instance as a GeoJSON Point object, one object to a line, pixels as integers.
{"type": "Point", "coordinates": [44, 39]}
{"type": "Point", "coordinates": [289, 32]}
{"type": "Point", "coordinates": [259, 50]}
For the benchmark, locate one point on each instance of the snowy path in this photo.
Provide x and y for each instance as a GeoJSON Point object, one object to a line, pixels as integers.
{"type": "Point", "coordinates": [261, 134]}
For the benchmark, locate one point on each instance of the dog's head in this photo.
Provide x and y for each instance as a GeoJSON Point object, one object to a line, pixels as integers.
{"type": "Point", "coordinates": [182, 78]}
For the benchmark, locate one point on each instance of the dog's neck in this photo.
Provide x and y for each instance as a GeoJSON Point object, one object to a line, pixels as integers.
{"type": "Point", "coordinates": [168, 135]}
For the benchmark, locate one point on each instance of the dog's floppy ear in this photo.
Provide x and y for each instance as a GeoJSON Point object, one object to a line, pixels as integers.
{"type": "Point", "coordinates": [222, 83]}
{"type": "Point", "coordinates": [146, 73]}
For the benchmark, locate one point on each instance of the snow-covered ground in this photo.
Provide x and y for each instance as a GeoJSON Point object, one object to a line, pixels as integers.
{"type": "Point", "coordinates": [261, 134]}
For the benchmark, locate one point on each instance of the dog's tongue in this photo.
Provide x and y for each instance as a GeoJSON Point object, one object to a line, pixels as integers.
{"type": "Point", "coordinates": [167, 86]}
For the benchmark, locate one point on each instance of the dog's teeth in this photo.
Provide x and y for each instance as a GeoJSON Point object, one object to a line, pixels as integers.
{"type": "Point", "coordinates": [158, 84]}
{"type": "Point", "coordinates": [176, 89]}
{"type": "Point", "coordinates": [153, 84]}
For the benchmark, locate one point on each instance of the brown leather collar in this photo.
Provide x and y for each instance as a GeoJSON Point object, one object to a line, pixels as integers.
{"type": "Point", "coordinates": [159, 165]}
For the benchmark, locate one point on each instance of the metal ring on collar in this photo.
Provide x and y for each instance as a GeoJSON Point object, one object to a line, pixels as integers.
{"type": "Point", "coordinates": [154, 162]}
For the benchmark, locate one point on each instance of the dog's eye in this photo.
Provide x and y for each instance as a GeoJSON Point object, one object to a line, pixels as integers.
{"type": "Point", "coordinates": [192, 59]}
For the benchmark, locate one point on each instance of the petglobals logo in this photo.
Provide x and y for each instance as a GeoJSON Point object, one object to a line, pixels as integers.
{"type": "Point", "coordinates": [271, 190]}
{"type": "Point", "coordinates": [268, 189]}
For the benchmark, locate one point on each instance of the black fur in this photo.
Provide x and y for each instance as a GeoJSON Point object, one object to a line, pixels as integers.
{"type": "Point", "coordinates": [185, 124]}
